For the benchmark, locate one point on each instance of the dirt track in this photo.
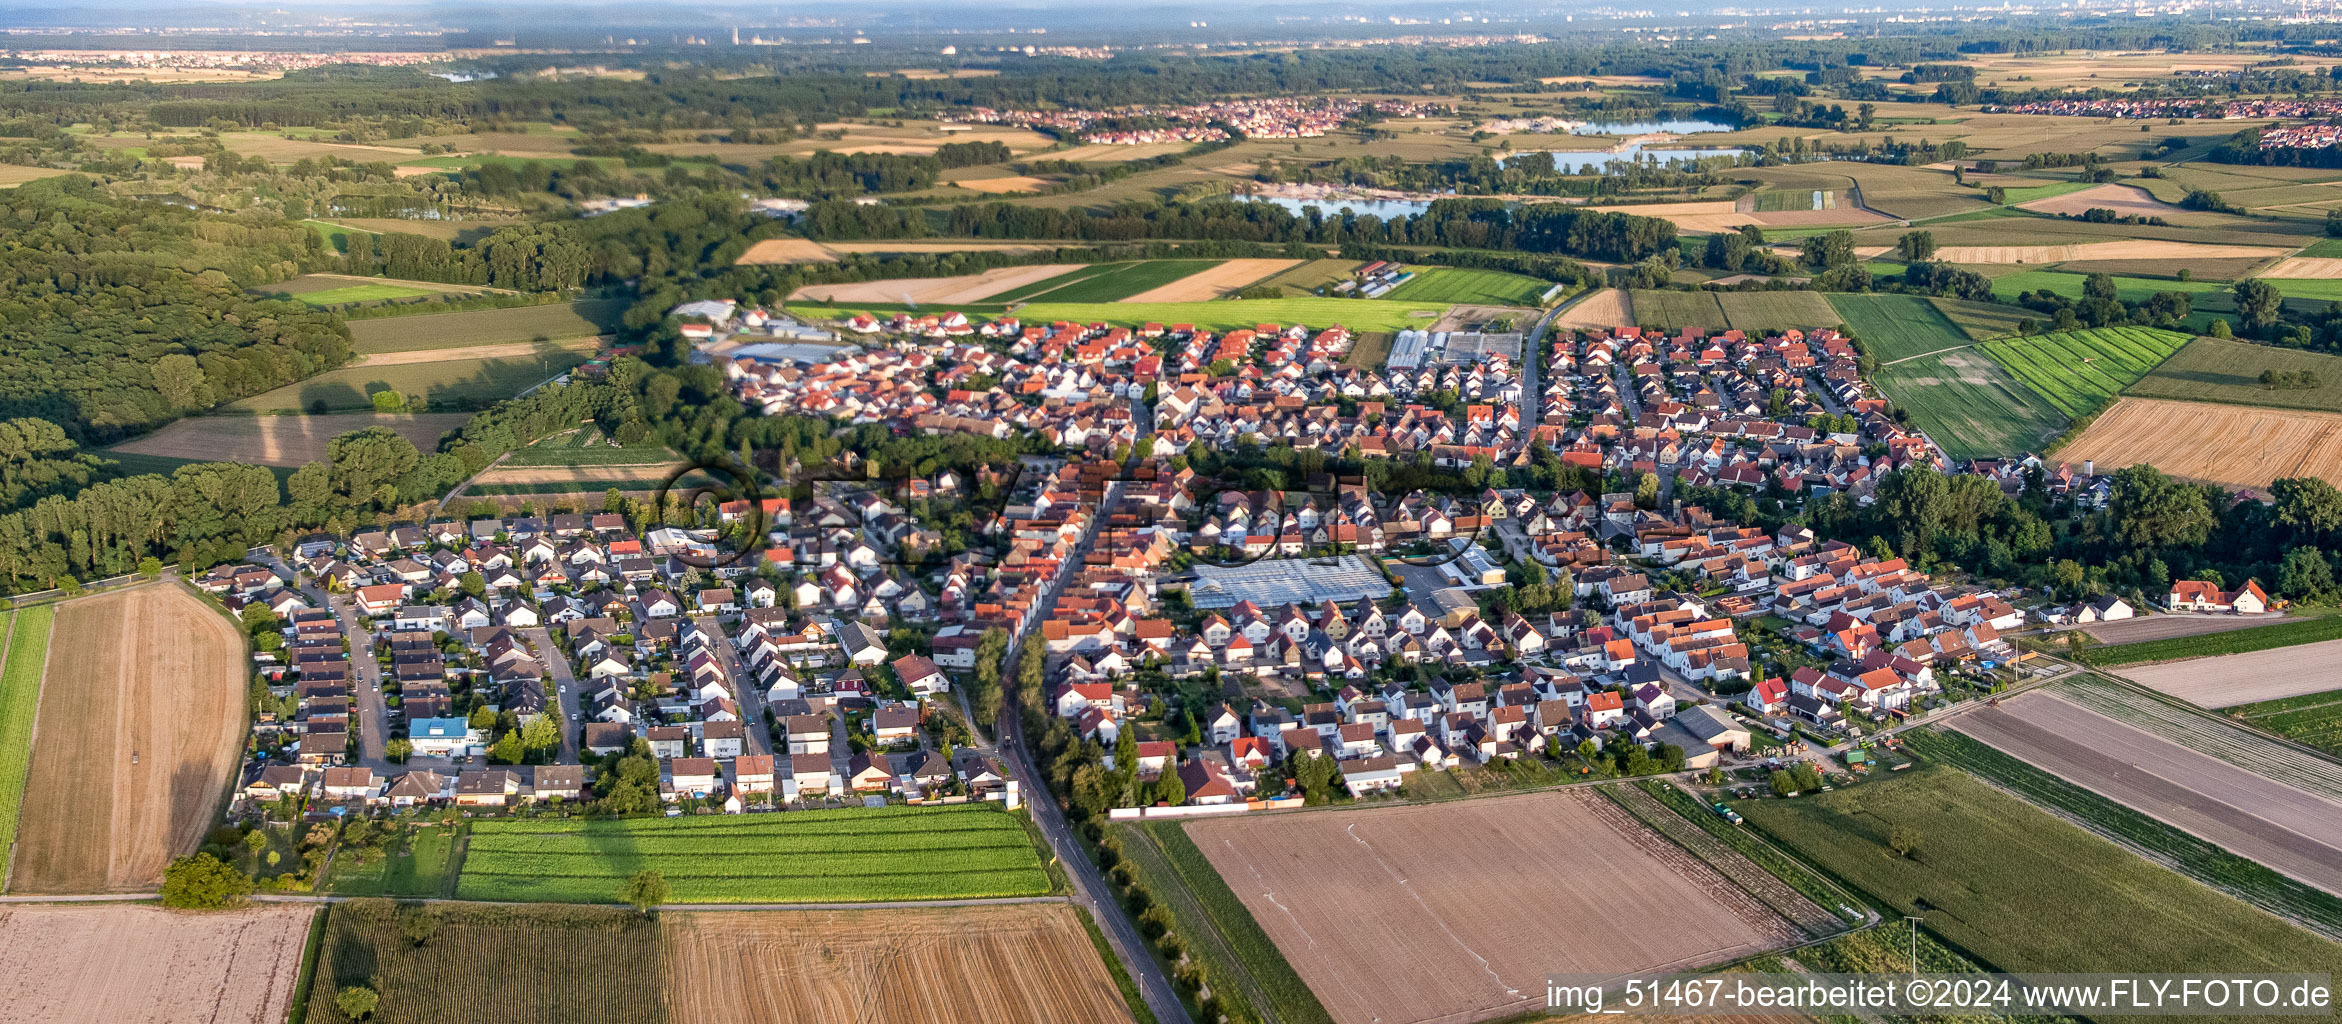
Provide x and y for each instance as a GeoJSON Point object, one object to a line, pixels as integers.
{"type": "Point", "coordinates": [2233, 679]}
{"type": "Point", "coordinates": [128, 964]}
{"type": "Point", "coordinates": [1456, 912]}
{"type": "Point", "coordinates": [998, 965]}
{"type": "Point", "coordinates": [2232, 445]}
{"type": "Point", "coordinates": [150, 673]}
{"type": "Point", "coordinates": [1213, 282]}
{"type": "Point", "coordinates": [2284, 828]}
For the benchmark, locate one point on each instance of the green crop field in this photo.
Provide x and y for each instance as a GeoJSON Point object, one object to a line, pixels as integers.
{"type": "Point", "coordinates": [1969, 405]}
{"type": "Point", "coordinates": [2234, 641]}
{"type": "Point", "coordinates": [2131, 289]}
{"type": "Point", "coordinates": [1790, 202]}
{"type": "Point", "coordinates": [2025, 891]}
{"type": "Point", "coordinates": [2229, 373]}
{"type": "Point", "coordinates": [851, 855]}
{"type": "Point", "coordinates": [359, 293]}
{"type": "Point", "coordinates": [2193, 857]}
{"type": "Point", "coordinates": [20, 698]}
{"type": "Point", "coordinates": [560, 321]}
{"type": "Point", "coordinates": [1478, 287]}
{"type": "Point", "coordinates": [2303, 288]}
{"type": "Point", "coordinates": [1308, 277]}
{"type": "Point", "coordinates": [2313, 718]}
{"type": "Point", "coordinates": [2080, 371]}
{"type": "Point", "coordinates": [1982, 321]}
{"type": "Point", "coordinates": [524, 961]}
{"type": "Point", "coordinates": [447, 384]}
{"type": "Point", "coordinates": [1892, 327]}
{"type": "Point", "coordinates": [1754, 312]}
{"type": "Point", "coordinates": [2324, 248]}
{"type": "Point", "coordinates": [1114, 282]}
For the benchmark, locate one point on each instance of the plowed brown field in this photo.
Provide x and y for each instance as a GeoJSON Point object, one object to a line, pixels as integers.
{"type": "Point", "coordinates": [117, 963]}
{"type": "Point", "coordinates": [148, 673]}
{"type": "Point", "coordinates": [995, 964]}
{"type": "Point", "coordinates": [2232, 445]}
{"type": "Point", "coordinates": [286, 440]}
{"type": "Point", "coordinates": [1456, 912]}
{"type": "Point", "coordinates": [1605, 309]}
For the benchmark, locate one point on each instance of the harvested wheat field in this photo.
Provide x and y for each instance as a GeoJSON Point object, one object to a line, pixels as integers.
{"type": "Point", "coordinates": [1712, 215]}
{"type": "Point", "coordinates": [954, 246]}
{"type": "Point", "coordinates": [2230, 445]}
{"type": "Point", "coordinates": [2307, 267]}
{"type": "Point", "coordinates": [934, 290]}
{"type": "Point", "coordinates": [2285, 828]}
{"type": "Point", "coordinates": [507, 476]}
{"type": "Point", "coordinates": [2130, 250]}
{"type": "Point", "coordinates": [509, 350]}
{"type": "Point", "coordinates": [110, 963]}
{"type": "Point", "coordinates": [785, 250]}
{"type": "Point", "coordinates": [284, 440]}
{"type": "Point", "coordinates": [1456, 912]}
{"type": "Point", "coordinates": [1211, 283]}
{"type": "Point", "coordinates": [2165, 627]}
{"type": "Point", "coordinates": [152, 673]}
{"type": "Point", "coordinates": [2122, 199]}
{"type": "Point", "coordinates": [996, 964]}
{"type": "Point", "coordinates": [1006, 185]}
{"type": "Point", "coordinates": [2231, 679]}
{"type": "Point", "coordinates": [1610, 307]}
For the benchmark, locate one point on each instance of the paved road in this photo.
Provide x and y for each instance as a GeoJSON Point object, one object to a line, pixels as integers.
{"type": "Point", "coordinates": [743, 685]}
{"type": "Point", "coordinates": [565, 690]}
{"type": "Point", "coordinates": [1089, 887]}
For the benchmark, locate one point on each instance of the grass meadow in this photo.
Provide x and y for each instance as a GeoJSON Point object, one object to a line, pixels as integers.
{"type": "Point", "coordinates": [1476, 287]}
{"type": "Point", "coordinates": [2314, 719]}
{"type": "Point", "coordinates": [2229, 372]}
{"type": "Point", "coordinates": [1891, 327]}
{"type": "Point", "coordinates": [20, 699]}
{"type": "Point", "coordinates": [452, 383]}
{"type": "Point", "coordinates": [554, 322]}
{"type": "Point", "coordinates": [1969, 405]}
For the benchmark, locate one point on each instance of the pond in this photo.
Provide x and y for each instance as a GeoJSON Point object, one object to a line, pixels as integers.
{"type": "Point", "coordinates": [1588, 161]}
{"type": "Point", "coordinates": [1387, 209]}
{"type": "Point", "coordinates": [1672, 126]}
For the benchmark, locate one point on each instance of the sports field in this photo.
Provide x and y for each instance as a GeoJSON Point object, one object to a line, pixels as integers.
{"type": "Point", "coordinates": [2025, 891]}
{"type": "Point", "coordinates": [1892, 327]}
{"type": "Point", "coordinates": [453, 383]}
{"type": "Point", "coordinates": [853, 855]}
{"type": "Point", "coordinates": [556, 322]}
{"type": "Point", "coordinates": [2080, 371]}
{"type": "Point", "coordinates": [1969, 405]}
{"type": "Point", "coordinates": [1480, 287]}
{"type": "Point", "coordinates": [2229, 373]}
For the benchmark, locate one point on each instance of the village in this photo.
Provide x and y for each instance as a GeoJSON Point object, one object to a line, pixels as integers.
{"type": "Point", "coordinates": [1216, 631]}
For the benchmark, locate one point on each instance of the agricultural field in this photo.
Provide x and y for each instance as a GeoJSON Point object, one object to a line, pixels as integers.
{"type": "Point", "coordinates": [1223, 278]}
{"type": "Point", "coordinates": [2292, 831]}
{"type": "Point", "coordinates": [1306, 277]}
{"type": "Point", "coordinates": [1115, 282]}
{"type": "Point", "coordinates": [2080, 371]}
{"type": "Point", "coordinates": [1754, 312]}
{"type": "Point", "coordinates": [288, 441]}
{"type": "Point", "coordinates": [2314, 719]}
{"type": "Point", "coordinates": [2007, 287]}
{"type": "Point", "coordinates": [446, 383]}
{"type": "Point", "coordinates": [998, 964]}
{"type": "Point", "coordinates": [588, 448]}
{"type": "Point", "coordinates": [1411, 885]}
{"type": "Point", "coordinates": [2165, 627]}
{"type": "Point", "coordinates": [772, 251]}
{"type": "Point", "coordinates": [554, 322]}
{"type": "Point", "coordinates": [999, 281]}
{"type": "Point", "coordinates": [527, 481]}
{"type": "Point", "coordinates": [1604, 309]}
{"type": "Point", "coordinates": [2024, 891]}
{"type": "Point", "coordinates": [2077, 199]}
{"type": "Point", "coordinates": [20, 697]}
{"type": "Point", "coordinates": [528, 962]}
{"type": "Point", "coordinates": [1981, 321]}
{"type": "Point", "coordinates": [844, 856]}
{"type": "Point", "coordinates": [1896, 327]}
{"type": "Point", "coordinates": [2233, 445]}
{"type": "Point", "coordinates": [2226, 372]}
{"type": "Point", "coordinates": [108, 963]}
{"type": "Point", "coordinates": [1355, 314]}
{"type": "Point", "coordinates": [1969, 405]}
{"type": "Point", "coordinates": [1481, 287]}
{"type": "Point", "coordinates": [93, 821]}
{"type": "Point", "coordinates": [2221, 642]}
{"type": "Point", "coordinates": [1235, 953]}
